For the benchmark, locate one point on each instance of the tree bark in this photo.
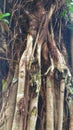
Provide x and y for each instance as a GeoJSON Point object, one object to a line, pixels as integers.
{"type": "Point", "coordinates": [61, 105]}
{"type": "Point", "coordinates": [49, 103]}
{"type": "Point", "coordinates": [71, 117]}
{"type": "Point", "coordinates": [24, 64]}
{"type": "Point", "coordinates": [10, 107]}
{"type": "Point", "coordinates": [33, 111]}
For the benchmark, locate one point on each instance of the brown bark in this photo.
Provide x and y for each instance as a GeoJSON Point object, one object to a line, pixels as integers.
{"type": "Point", "coordinates": [10, 107]}
{"type": "Point", "coordinates": [49, 102]}
{"type": "Point", "coordinates": [33, 111]}
{"type": "Point", "coordinates": [23, 66]}
{"type": "Point", "coordinates": [26, 108]}
{"type": "Point", "coordinates": [71, 117]}
{"type": "Point", "coordinates": [61, 105]}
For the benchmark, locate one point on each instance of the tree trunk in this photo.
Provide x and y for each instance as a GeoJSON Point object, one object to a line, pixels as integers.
{"type": "Point", "coordinates": [24, 64]}
{"type": "Point", "coordinates": [10, 107]}
{"type": "Point", "coordinates": [49, 102]}
{"type": "Point", "coordinates": [72, 48]}
{"type": "Point", "coordinates": [71, 117]}
{"type": "Point", "coordinates": [33, 111]}
{"type": "Point", "coordinates": [30, 103]}
{"type": "Point", "coordinates": [61, 105]}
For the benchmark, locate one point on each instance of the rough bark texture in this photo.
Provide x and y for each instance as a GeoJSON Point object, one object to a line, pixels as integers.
{"type": "Point", "coordinates": [24, 64]}
{"type": "Point", "coordinates": [38, 95]}
{"type": "Point", "coordinates": [61, 105]}
{"type": "Point", "coordinates": [71, 118]}
{"type": "Point", "coordinates": [49, 103]}
{"type": "Point", "coordinates": [10, 108]}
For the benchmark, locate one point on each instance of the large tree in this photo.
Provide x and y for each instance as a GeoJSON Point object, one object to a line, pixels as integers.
{"type": "Point", "coordinates": [37, 92]}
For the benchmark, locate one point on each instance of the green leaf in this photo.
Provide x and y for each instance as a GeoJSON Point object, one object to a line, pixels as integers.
{"type": "Point", "coordinates": [3, 84]}
{"type": "Point", "coordinates": [68, 2]}
{"type": "Point", "coordinates": [1, 16]}
{"type": "Point", "coordinates": [5, 20]}
{"type": "Point", "coordinates": [63, 14]}
{"type": "Point", "coordinates": [71, 8]}
{"type": "Point", "coordinates": [4, 15]}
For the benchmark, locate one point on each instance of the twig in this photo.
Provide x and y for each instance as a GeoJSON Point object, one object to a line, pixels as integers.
{"type": "Point", "coordinates": [4, 6]}
{"type": "Point", "coordinates": [9, 59]}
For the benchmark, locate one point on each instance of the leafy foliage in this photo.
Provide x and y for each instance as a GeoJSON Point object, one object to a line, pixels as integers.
{"type": "Point", "coordinates": [66, 14]}
{"type": "Point", "coordinates": [69, 4]}
{"type": "Point", "coordinates": [3, 17]}
{"type": "Point", "coordinates": [68, 8]}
